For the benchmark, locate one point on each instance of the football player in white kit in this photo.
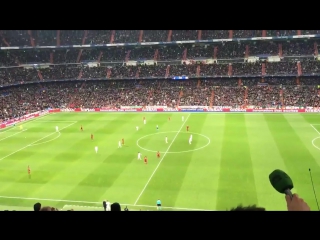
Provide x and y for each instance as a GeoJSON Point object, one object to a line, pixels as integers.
{"type": "Point", "coordinates": [139, 156]}
{"type": "Point", "coordinates": [57, 129]}
{"type": "Point", "coordinates": [166, 139]}
{"type": "Point", "coordinates": [137, 128]}
{"type": "Point", "coordinates": [190, 139]}
{"type": "Point", "coordinates": [96, 149]}
{"type": "Point", "coordinates": [119, 144]}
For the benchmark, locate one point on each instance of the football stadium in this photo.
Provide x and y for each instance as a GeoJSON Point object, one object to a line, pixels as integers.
{"type": "Point", "coordinates": [159, 120]}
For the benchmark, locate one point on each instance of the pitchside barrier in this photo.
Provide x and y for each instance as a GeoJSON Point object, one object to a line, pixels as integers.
{"type": "Point", "coordinates": [223, 109]}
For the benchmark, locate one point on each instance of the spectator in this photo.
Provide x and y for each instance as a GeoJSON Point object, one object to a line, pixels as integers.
{"type": "Point", "coordinates": [115, 207]}
{"type": "Point", "coordinates": [48, 209]}
{"type": "Point", "coordinates": [247, 208]}
{"type": "Point", "coordinates": [37, 207]}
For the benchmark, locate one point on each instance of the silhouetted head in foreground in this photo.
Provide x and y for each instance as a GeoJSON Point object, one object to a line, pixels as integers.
{"type": "Point", "coordinates": [37, 207]}
{"type": "Point", "coordinates": [247, 208]}
{"type": "Point", "coordinates": [115, 207]}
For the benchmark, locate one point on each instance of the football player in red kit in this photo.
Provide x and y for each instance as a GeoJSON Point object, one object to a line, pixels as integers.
{"type": "Point", "coordinates": [187, 128]}
{"type": "Point", "coordinates": [145, 160]}
{"type": "Point", "coordinates": [29, 172]}
{"type": "Point", "coordinates": [91, 136]}
{"type": "Point", "coordinates": [81, 128]}
{"type": "Point", "coordinates": [158, 154]}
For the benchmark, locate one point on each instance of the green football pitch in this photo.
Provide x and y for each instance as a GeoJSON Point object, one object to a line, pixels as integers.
{"type": "Point", "coordinates": [227, 163]}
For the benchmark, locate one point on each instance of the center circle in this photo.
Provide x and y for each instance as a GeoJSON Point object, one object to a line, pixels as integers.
{"type": "Point", "coordinates": [169, 144]}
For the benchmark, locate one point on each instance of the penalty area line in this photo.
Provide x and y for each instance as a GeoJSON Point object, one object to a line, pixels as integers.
{"type": "Point", "coordinates": [315, 128]}
{"type": "Point", "coordinates": [25, 122]}
{"type": "Point", "coordinates": [13, 135]}
{"type": "Point", "coordinates": [33, 143]}
{"type": "Point", "coordinates": [165, 153]}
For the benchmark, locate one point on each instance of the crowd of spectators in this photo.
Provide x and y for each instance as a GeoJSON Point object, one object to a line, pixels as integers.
{"type": "Point", "coordinates": [16, 37]}
{"type": "Point", "coordinates": [8, 58]}
{"type": "Point", "coordinates": [126, 36]}
{"type": "Point", "coordinates": [214, 34]}
{"type": "Point", "coordinates": [14, 75]}
{"type": "Point", "coordinates": [183, 70]}
{"type": "Point", "coordinates": [194, 51]}
{"type": "Point", "coordinates": [307, 32]}
{"type": "Point", "coordinates": [17, 75]}
{"type": "Point", "coordinates": [280, 33]}
{"type": "Point", "coordinates": [75, 37]}
{"type": "Point", "coordinates": [142, 53]}
{"type": "Point", "coordinates": [300, 95]}
{"type": "Point", "coordinates": [246, 69]}
{"type": "Point", "coordinates": [152, 71]}
{"type": "Point", "coordinates": [31, 56]}
{"type": "Point", "coordinates": [22, 99]}
{"type": "Point", "coordinates": [230, 50]}
{"type": "Point", "coordinates": [281, 68]}
{"type": "Point", "coordinates": [214, 70]}
{"type": "Point", "coordinates": [184, 35]}
{"type": "Point", "coordinates": [260, 48]}
{"type": "Point", "coordinates": [60, 72]}
{"type": "Point", "coordinates": [44, 37]}
{"type": "Point", "coordinates": [297, 48]}
{"type": "Point", "coordinates": [90, 55]}
{"type": "Point", "coordinates": [264, 96]}
{"type": "Point", "coordinates": [71, 37]}
{"type": "Point", "coordinates": [155, 35]}
{"type": "Point", "coordinates": [98, 37]}
{"type": "Point", "coordinates": [247, 33]}
{"type": "Point", "coordinates": [310, 67]}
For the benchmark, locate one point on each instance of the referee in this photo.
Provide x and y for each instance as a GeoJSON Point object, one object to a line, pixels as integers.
{"type": "Point", "coordinates": [158, 205]}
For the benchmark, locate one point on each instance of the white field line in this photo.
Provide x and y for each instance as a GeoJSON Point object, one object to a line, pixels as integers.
{"type": "Point", "coordinates": [315, 128]}
{"type": "Point", "coordinates": [131, 205]}
{"type": "Point", "coordinates": [161, 159]}
{"type": "Point", "coordinates": [35, 142]}
{"type": "Point", "coordinates": [85, 202]}
{"type": "Point", "coordinates": [27, 121]}
{"type": "Point", "coordinates": [13, 135]}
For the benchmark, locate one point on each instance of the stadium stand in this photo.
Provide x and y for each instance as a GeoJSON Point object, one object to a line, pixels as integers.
{"type": "Point", "coordinates": [262, 74]}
